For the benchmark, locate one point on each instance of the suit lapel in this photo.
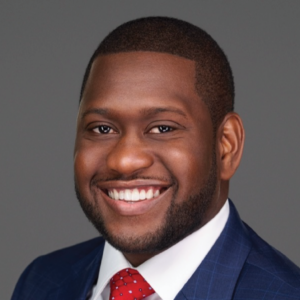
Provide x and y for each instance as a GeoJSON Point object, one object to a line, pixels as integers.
{"type": "Point", "coordinates": [217, 275]}
{"type": "Point", "coordinates": [215, 278]}
{"type": "Point", "coordinates": [83, 277]}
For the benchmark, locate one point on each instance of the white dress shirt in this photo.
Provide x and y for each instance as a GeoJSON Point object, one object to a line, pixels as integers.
{"type": "Point", "coordinates": [162, 270]}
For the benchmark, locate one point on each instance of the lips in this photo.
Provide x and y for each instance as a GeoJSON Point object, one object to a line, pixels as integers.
{"type": "Point", "coordinates": [134, 197]}
{"type": "Point", "coordinates": [133, 191]}
{"type": "Point", "coordinates": [134, 194]}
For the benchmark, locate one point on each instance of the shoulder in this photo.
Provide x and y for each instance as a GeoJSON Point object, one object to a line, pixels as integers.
{"type": "Point", "coordinates": [53, 269]}
{"type": "Point", "coordinates": [68, 257]}
{"type": "Point", "coordinates": [267, 273]}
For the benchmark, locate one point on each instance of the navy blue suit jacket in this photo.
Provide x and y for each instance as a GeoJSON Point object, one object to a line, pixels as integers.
{"type": "Point", "coordinates": [240, 265]}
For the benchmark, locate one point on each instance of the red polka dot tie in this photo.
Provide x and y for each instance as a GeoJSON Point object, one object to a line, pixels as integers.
{"type": "Point", "coordinates": [129, 284]}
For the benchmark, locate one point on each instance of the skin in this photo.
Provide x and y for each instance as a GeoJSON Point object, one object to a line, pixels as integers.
{"type": "Point", "coordinates": [132, 95]}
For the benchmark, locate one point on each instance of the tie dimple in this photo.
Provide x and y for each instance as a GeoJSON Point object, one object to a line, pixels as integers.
{"type": "Point", "coordinates": [129, 284]}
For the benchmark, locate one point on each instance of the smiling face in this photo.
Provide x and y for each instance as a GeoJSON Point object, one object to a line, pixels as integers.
{"type": "Point", "coordinates": [146, 169]}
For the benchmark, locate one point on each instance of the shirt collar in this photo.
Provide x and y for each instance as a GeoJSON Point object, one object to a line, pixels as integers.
{"type": "Point", "coordinates": [171, 268]}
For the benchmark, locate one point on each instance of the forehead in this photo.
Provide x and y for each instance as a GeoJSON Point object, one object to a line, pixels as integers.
{"type": "Point", "coordinates": [144, 63]}
{"type": "Point", "coordinates": [142, 78]}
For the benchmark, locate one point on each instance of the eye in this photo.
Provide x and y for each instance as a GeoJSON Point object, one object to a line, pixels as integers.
{"type": "Point", "coordinates": [103, 129]}
{"type": "Point", "coordinates": [161, 129]}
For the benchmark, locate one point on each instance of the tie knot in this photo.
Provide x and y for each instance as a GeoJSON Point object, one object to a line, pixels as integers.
{"type": "Point", "coordinates": [129, 284]}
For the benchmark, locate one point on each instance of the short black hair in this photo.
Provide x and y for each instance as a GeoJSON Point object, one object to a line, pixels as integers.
{"type": "Point", "coordinates": [214, 79]}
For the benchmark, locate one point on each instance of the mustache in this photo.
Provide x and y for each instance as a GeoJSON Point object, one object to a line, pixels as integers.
{"type": "Point", "coordinates": [122, 177]}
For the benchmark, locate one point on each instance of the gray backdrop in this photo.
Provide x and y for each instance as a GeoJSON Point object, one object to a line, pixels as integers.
{"type": "Point", "coordinates": [45, 47]}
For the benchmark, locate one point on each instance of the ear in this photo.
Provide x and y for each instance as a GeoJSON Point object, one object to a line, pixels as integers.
{"type": "Point", "coordinates": [231, 138]}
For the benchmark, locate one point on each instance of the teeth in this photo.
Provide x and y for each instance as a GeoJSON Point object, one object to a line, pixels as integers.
{"type": "Point", "coordinates": [149, 194]}
{"type": "Point", "coordinates": [116, 194]}
{"type": "Point", "coordinates": [127, 195]}
{"type": "Point", "coordinates": [156, 194]}
{"type": "Point", "coordinates": [142, 195]}
{"type": "Point", "coordinates": [111, 194]}
{"type": "Point", "coordinates": [133, 194]}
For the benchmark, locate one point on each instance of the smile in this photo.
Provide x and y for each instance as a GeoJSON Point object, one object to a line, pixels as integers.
{"type": "Point", "coordinates": [134, 194]}
{"type": "Point", "coordinates": [134, 197]}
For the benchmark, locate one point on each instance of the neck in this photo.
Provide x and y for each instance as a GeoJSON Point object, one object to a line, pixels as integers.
{"type": "Point", "coordinates": [136, 259]}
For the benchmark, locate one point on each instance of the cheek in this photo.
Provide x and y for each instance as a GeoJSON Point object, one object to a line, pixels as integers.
{"type": "Point", "coordinates": [190, 165]}
{"type": "Point", "coordinates": [87, 161]}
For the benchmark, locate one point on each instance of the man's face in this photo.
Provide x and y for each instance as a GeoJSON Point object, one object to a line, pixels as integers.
{"type": "Point", "coordinates": [145, 159]}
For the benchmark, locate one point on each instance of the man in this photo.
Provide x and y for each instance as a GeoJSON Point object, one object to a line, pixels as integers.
{"type": "Point", "coordinates": [157, 142]}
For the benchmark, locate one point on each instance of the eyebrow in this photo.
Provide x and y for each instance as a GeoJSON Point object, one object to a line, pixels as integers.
{"type": "Point", "coordinates": [147, 112]}
{"type": "Point", "coordinates": [152, 111]}
{"type": "Point", "coordinates": [98, 111]}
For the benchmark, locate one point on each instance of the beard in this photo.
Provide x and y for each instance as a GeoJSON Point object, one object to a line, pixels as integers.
{"type": "Point", "coordinates": [181, 219]}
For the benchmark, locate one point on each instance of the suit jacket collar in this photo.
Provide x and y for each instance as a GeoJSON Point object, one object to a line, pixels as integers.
{"type": "Point", "coordinates": [215, 278]}
{"type": "Point", "coordinates": [84, 275]}
{"type": "Point", "coordinates": [218, 274]}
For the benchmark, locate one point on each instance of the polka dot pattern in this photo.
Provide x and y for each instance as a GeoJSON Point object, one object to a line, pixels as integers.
{"type": "Point", "coordinates": [129, 284]}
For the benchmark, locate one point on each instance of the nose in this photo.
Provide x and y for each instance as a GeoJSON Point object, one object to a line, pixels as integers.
{"type": "Point", "coordinates": [129, 156]}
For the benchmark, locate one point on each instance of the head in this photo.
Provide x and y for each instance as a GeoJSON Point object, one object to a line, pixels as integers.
{"type": "Point", "coordinates": [157, 139]}
{"type": "Point", "coordinates": [213, 76]}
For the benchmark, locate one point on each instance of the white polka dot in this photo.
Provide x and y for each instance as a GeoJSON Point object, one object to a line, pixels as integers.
{"type": "Point", "coordinates": [130, 292]}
